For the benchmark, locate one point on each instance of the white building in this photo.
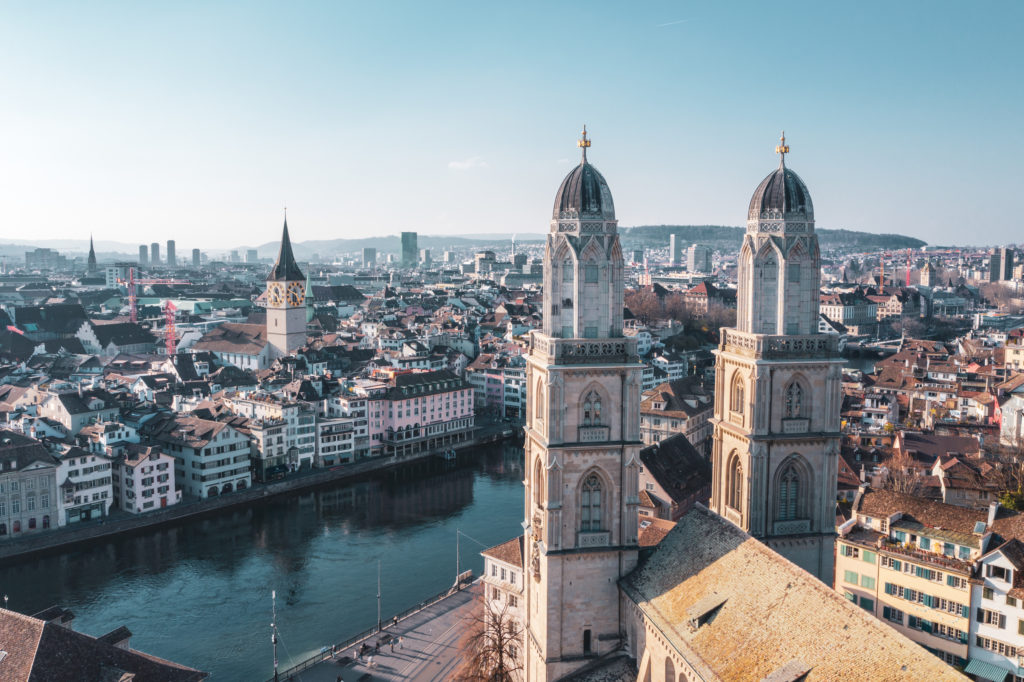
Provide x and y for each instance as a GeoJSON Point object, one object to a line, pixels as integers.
{"type": "Point", "coordinates": [85, 480]}
{"type": "Point", "coordinates": [211, 457]}
{"type": "Point", "coordinates": [146, 480]}
{"type": "Point", "coordinates": [298, 437]}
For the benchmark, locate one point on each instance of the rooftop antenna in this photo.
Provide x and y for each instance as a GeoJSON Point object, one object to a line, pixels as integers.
{"type": "Point", "coordinates": [273, 628]}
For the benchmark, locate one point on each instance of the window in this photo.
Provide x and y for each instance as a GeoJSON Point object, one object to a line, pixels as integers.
{"type": "Point", "coordinates": [512, 600]}
{"type": "Point", "coordinates": [867, 582]}
{"type": "Point", "coordinates": [993, 618]}
{"type": "Point", "coordinates": [867, 604]}
{"type": "Point", "coordinates": [965, 553]}
{"type": "Point", "coordinates": [1010, 601]}
{"type": "Point", "coordinates": [586, 643]}
{"type": "Point", "coordinates": [735, 482]}
{"type": "Point", "coordinates": [850, 577]}
{"type": "Point", "coordinates": [850, 596]}
{"type": "Point", "coordinates": [590, 274]}
{"type": "Point", "coordinates": [892, 614]}
{"type": "Point", "coordinates": [737, 399]}
{"type": "Point", "coordinates": [868, 557]}
{"type": "Point", "coordinates": [590, 504]}
{"type": "Point", "coordinates": [986, 593]}
{"type": "Point", "coordinates": [789, 491]}
{"type": "Point", "coordinates": [999, 572]}
{"type": "Point", "coordinates": [847, 550]}
{"type": "Point", "coordinates": [926, 543]}
{"type": "Point", "coordinates": [592, 409]}
{"type": "Point", "coordinates": [948, 548]}
{"type": "Point", "coordinates": [567, 271]}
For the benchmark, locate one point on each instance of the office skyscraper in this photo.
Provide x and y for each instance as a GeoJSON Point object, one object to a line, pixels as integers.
{"type": "Point", "coordinates": [143, 254]}
{"type": "Point", "coordinates": [154, 253]}
{"type": "Point", "coordinates": [251, 256]}
{"type": "Point", "coordinates": [196, 258]}
{"type": "Point", "coordinates": [409, 250]}
{"type": "Point", "coordinates": [369, 257]}
{"type": "Point", "coordinates": [698, 258]}
{"type": "Point", "coordinates": [675, 250]}
{"type": "Point", "coordinates": [171, 258]}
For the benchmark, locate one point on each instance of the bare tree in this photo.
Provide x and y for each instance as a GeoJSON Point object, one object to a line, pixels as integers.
{"type": "Point", "coordinates": [905, 476]}
{"type": "Point", "coordinates": [645, 305]}
{"type": "Point", "coordinates": [491, 646]}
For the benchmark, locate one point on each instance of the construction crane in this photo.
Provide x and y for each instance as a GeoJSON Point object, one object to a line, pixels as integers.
{"type": "Point", "coordinates": [133, 297]}
{"type": "Point", "coordinates": [169, 339]}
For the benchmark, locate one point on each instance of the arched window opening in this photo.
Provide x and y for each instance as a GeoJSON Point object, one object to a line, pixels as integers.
{"type": "Point", "coordinates": [538, 403]}
{"type": "Point", "coordinates": [794, 400]}
{"type": "Point", "coordinates": [738, 394]}
{"type": "Point", "coordinates": [670, 670]}
{"type": "Point", "coordinates": [789, 493]}
{"type": "Point", "coordinates": [592, 409]}
{"type": "Point", "coordinates": [735, 483]}
{"type": "Point", "coordinates": [590, 504]}
{"type": "Point", "coordinates": [538, 484]}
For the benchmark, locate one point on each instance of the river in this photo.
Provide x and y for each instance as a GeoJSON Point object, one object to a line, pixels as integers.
{"type": "Point", "coordinates": [199, 593]}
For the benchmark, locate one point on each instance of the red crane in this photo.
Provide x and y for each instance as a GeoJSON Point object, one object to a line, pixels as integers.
{"type": "Point", "coordinates": [170, 340]}
{"type": "Point", "coordinates": [132, 283]}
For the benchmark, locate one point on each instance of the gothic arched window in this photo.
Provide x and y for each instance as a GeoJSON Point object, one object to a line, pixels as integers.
{"type": "Point", "coordinates": [538, 484]}
{"type": "Point", "coordinates": [738, 394]}
{"type": "Point", "coordinates": [735, 483]}
{"type": "Point", "coordinates": [590, 504]}
{"type": "Point", "coordinates": [789, 493]}
{"type": "Point", "coordinates": [591, 409]}
{"type": "Point", "coordinates": [794, 400]}
{"type": "Point", "coordinates": [538, 403]}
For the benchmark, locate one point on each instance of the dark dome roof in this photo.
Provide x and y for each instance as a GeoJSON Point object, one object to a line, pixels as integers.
{"type": "Point", "coordinates": [782, 192]}
{"type": "Point", "coordinates": [584, 194]}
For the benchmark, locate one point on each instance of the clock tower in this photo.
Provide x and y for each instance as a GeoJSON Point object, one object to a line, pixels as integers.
{"type": "Point", "coordinates": [286, 301]}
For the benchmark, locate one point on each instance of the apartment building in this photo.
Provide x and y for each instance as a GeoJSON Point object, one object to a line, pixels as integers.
{"type": "Point", "coordinates": [426, 411]}
{"type": "Point", "coordinates": [996, 642]}
{"type": "Point", "coordinates": [503, 584]}
{"type": "Point", "coordinates": [909, 561]}
{"type": "Point", "coordinates": [28, 485]}
{"type": "Point", "coordinates": [680, 406]}
{"type": "Point", "coordinates": [297, 438]}
{"type": "Point", "coordinates": [210, 457]}
{"type": "Point", "coordinates": [146, 480]}
{"type": "Point", "coordinates": [85, 481]}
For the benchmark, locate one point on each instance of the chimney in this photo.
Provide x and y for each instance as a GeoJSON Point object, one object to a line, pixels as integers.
{"type": "Point", "coordinates": [993, 507]}
{"type": "Point", "coordinates": [863, 474]}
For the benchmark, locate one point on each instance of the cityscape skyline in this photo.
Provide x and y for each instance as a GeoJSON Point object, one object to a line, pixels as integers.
{"type": "Point", "coordinates": [439, 116]}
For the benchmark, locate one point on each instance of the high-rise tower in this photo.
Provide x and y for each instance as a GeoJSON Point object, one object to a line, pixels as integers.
{"type": "Point", "coordinates": [92, 268]}
{"type": "Point", "coordinates": [777, 385]}
{"type": "Point", "coordinates": [582, 437]}
{"type": "Point", "coordinates": [286, 301]}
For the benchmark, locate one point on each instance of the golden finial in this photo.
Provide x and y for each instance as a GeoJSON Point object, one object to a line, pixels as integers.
{"type": "Point", "coordinates": [584, 142]}
{"type": "Point", "coordinates": [782, 149]}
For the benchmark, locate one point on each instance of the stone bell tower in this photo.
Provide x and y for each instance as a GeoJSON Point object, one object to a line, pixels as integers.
{"type": "Point", "coordinates": [778, 385]}
{"type": "Point", "coordinates": [582, 437]}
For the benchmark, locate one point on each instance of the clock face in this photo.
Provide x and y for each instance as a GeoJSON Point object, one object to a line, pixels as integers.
{"type": "Point", "coordinates": [296, 295]}
{"type": "Point", "coordinates": [275, 293]}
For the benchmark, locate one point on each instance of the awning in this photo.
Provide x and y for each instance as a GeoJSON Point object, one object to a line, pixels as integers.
{"type": "Point", "coordinates": [986, 670]}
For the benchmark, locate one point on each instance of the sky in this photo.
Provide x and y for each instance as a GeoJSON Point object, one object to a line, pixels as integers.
{"type": "Point", "coordinates": [200, 121]}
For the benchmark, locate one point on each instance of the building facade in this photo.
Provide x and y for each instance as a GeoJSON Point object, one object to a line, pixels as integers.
{"type": "Point", "coordinates": [777, 385]}
{"type": "Point", "coordinates": [409, 250]}
{"type": "Point", "coordinates": [582, 436]}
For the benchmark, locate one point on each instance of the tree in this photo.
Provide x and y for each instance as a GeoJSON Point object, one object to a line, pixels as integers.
{"type": "Point", "coordinates": [492, 644]}
{"type": "Point", "coordinates": [904, 474]}
{"type": "Point", "coordinates": [644, 304]}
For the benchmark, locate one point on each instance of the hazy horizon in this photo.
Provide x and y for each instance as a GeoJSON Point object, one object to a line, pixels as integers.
{"type": "Point", "coordinates": [199, 122]}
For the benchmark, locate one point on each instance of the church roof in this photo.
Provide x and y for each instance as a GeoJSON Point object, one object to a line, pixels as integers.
{"type": "Point", "coordinates": [781, 192]}
{"type": "Point", "coordinates": [735, 609]}
{"type": "Point", "coordinates": [285, 268]}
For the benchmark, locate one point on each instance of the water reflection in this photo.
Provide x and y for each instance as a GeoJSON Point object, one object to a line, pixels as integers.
{"type": "Point", "coordinates": [199, 592]}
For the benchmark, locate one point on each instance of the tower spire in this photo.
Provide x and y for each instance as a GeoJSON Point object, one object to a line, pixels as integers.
{"type": "Point", "coordinates": [583, 143]}
{"type": "Point", "coordinates": [782, 149]}
{"type": "Point", "coordinates": [286, 269]}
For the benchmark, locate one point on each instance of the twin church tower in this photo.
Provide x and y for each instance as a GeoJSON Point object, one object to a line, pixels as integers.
{"type": "Point", "coordinates": [777, 391]}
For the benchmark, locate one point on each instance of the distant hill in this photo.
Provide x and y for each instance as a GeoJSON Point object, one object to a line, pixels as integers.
{"type": "Point", "coordinates": [726, 236]}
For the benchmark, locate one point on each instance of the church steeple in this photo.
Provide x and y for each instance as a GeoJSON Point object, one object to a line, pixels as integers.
{"type": "Point", "coordinates": [92, 257]}
{"type": "Point", "coordinates": [285, 268]}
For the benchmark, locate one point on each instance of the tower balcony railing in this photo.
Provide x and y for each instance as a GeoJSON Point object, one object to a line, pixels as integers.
{"type": "Point", "coordinates": [769, 346]}
{"type": "Point", "coordinates": [584, 351]}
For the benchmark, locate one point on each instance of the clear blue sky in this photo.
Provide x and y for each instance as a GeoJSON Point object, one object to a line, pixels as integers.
{"type": "Point", "coordinates": [200, 120]}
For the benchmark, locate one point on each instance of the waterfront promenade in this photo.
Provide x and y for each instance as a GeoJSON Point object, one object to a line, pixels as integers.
{"type": "Point", "coordinates": [119, 522]}
{"type": "Point", "coordinates": [429, 650]}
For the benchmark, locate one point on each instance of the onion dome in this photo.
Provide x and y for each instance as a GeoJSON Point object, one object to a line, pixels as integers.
{"type": "Point", "coordinates": [782, 194]}
{"type": "Point", "coordinates": [584, 192]}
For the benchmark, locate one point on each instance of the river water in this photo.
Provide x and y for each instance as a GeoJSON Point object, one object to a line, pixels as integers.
{"type": "Point", "coordinates": [199, 593]}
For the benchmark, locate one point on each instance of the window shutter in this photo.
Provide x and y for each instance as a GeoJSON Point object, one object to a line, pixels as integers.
{"type": "Point", "coordinates": [1002, 622]}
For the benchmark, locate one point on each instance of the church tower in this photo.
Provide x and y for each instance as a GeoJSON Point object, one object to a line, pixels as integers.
{"type": "Point", "coordinates": [286, 301]}
{"type": "Point", "coordinates": [582, 437]}
{"type": "Point", "coordinates": [778, 384]}
{"type": "Point", "coordinates": [92, 267]}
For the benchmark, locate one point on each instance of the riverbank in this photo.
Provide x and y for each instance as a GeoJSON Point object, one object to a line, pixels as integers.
{"type": "Point", "coordinates": [70, 536]}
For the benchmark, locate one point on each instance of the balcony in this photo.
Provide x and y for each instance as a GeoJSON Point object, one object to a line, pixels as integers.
{"type": "Point", "coordinates": [593, 434]}
{"type": "Point", "coordinates": [925, 557]}
{"type": "Point", "coordinates": [596, 538]}
{"type": "Point", "coordinates": [792, 527]}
